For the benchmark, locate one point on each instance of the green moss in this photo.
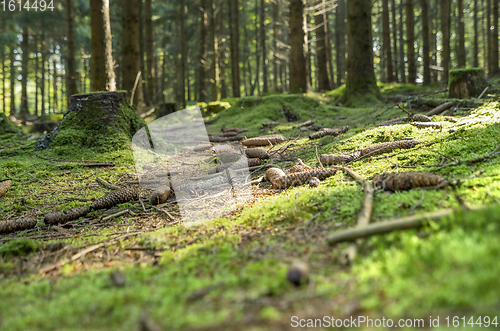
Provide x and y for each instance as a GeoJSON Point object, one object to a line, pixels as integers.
{"type": "Point", "coordinates": [19, 247]}
{"type": "Point", "coordinates": [457, 74]}
{"type": "Point", "coordinates": [6, 125]}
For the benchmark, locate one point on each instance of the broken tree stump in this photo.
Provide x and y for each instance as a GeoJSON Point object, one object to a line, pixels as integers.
{"type": "Point", "coordinates": [466, 83]}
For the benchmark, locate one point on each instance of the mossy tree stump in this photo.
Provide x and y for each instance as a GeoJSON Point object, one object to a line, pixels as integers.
{"type": "Point", "coordinates": [6, 126]}
{"type": "Point", "coordinates": [98, 121]}
{"type": "Point", "coordinates": [466, 83]}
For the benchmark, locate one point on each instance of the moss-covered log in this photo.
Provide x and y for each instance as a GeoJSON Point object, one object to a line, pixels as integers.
{"type": "Point", "coordinates": [99, 121]}
{"type": "Point", "coordinates": [466, 83]}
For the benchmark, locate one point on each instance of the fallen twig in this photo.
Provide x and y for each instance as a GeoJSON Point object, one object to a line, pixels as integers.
{"type": "Point", "coordinates": [106, 184]}
{"type": "Point", "coordinates": [120, 213]}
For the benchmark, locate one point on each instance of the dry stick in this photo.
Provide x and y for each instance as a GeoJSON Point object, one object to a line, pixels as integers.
{"type": "Point", "coordinates": [404, 223]}
{"type": "Point", "coordinates": [85, 251]}
{"type": "Point", "coordinates": [440, 109]}
{"type": "Point", "coordinates": [120, 213]}
{"type": "Point", "coordinates": [317, 158]}
{"type": "Point", "coordinates": [135, 86]}
{"type": "Point", "coordinates": [366, 209]}
{"type": "Point", "coordinates": [106, 184]}
{"type": "Point", "coordinates": [482, 93]}
{"type": "Point", "coordinates": [404, 110]}
{"type": "Point", "coordinates": [163, 211]}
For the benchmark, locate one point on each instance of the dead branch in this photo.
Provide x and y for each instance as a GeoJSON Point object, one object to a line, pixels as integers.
{"type": "Point", "coordinates": [106, 184]}
{"type": "Point", "coordinates": [438, 110]}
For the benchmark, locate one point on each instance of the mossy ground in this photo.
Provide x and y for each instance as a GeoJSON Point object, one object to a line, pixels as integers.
{"type": "Point", "coordinates": [233, 276]}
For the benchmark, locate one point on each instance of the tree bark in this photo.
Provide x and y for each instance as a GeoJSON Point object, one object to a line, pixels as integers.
{"type": "Point", "coordinates": [298, 75]}
{"type": "Point", "coordinates": [395, 39]}
{"type": "Point", "coordinates": [340, 34]}
{"type": "Point", "coordinates": [426, 43]}
{"type": "Point", "coordinates": [361, 82]}
{"type": "Point", "coordinates": [23, 110]}
{"type": "Point", "coordinates": [12, 81]}
{"type": "Point", "coordinates": [55, 102]}
{"type": "Point", "coordinates": [148, 19]}
{"type": "Point", "coordinates": [445, 30]}
{"type": "Point", "coordinates": [146, 98]}
{"type": "Point", "coordinates": [235, 44]}
{"type": "Point", "coordinates": [307, 49]}
{"type": "Point", "coordinates": [387, 40]}
{"type": "Point", "coordinates": [103, 75]}
{"type": "Point", "coordinates": [222, 52]}
{"type": "Point", "coordinates": [213, 52]}
{"type": "Point", "coordinates": [43, 51]}
{"type": "Point", "coordinates": [4, 95]}
{"type": "Point", "coordinates": [410, 42]}
{"type": "Point", "coordinates": [328, 45]}
{"type": "Point", "coordinates": [402, 67]}
{"type": "Point", "coordinates": [71, 76]}
{"type": "Point", "coordinates": [461, 35]}
{"type": "Point", "coordinates": [257, 53]}
{"type": "Point", "coordinates": [275, 45]}
{"type": "Point", "coordinates": [263, 44]}
{"type": "Point", "coordinates": [202, 84]}
{"type": "Point", "coordinates": [494, 39]}
{"type": "Point", "coordinates": [182, 42]}
{"type": "Point", "coordinates": [475, 53]}
{"type": "Point", "coordinates": [321, 46]}
{"type": "Point", "coordinates": [131, 55]}
{"type": "Point", "coordinates": [37, 61]}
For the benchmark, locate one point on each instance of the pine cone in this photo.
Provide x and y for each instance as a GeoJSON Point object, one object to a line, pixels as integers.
{"type": "Point", "coordinates": [314, 182]}
{"type": "Point", "coordinates": [256, 153]}
{"type": "Point", "coordinates": [274, 173]}
{"type": "Point", "coordinates": [388, 147]}
{"type": "Point", "coordinates": [17, 225]}
{"type": "Point", "coordinates": [264, 140]}
{"type": "Point", "coordinates": [159, 196]}
{"type": "Point", "coordinates": [300, 178]}
{"type": "Point", "coordinates": [114, 198]}
{"type": "Point", "coordinates": [328, 132]}
{"type": "Point", "coordinates": [419, 118]}
{"type": "Point", "coordinates": [64, 216]}
{"type": "Point", "coordinates": [423, 125]}
{"type": "Point", "coordinates": [298, 168]}
{"type": "Point", "coordinates": [338, 159]}
{"type": "Point", "coordinates": [5, 186]}
{"type": "Point", "coordinates": [408, 180]}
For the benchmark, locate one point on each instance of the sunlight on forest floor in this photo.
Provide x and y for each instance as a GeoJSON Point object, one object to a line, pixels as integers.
{"type": "Point", "coordinates": [230, 273]}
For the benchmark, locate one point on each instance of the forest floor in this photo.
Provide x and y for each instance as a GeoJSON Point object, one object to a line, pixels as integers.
{"type": "Point", "coordinates": [145, 270]}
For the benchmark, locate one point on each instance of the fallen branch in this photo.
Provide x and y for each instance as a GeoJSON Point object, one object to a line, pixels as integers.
{"type": "Point", "coordinates": [120, 213]}
{"type": "Point", "coordinates": [106, 184]}
{"type": "Point", "coordinates": [438, 110]}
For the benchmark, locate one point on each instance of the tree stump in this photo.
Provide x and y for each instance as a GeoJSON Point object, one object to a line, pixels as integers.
{"type": "Point", "coordinates": [98, 121]}
{"type": "Point", "coordinates": [7, 126]}
{"type": "Point", "coordinates": [466, 83]}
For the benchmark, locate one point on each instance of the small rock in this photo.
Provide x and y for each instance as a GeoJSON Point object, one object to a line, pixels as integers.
{"type": "Point", "coordinates": [314, 182]}
{"type": "Point", "coordinates": [117, 278]}
{"type": "Point", "coordinates": [298, 273]}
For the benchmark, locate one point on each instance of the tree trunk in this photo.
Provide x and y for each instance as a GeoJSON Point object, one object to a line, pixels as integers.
{"type": "Point", "coordinates": [12, 82]}
{"type": "Point", "coordinates": [387, 40]}
{"type": "Point", "coordinates": [23, 110]}
{"type": "Point", "coordinates": [494, 40]}
{"type": "Point", "coordinates": [466, 83]}
{"type": "Point", "coordinates": [263, 44]}
{"type": "Point", "coordinates": [222, 53]}
{"type": "Point", "coordinates": [298, 75]}
{"type": "Point", "coordinates": [275, 45]}
{"type": "Point", "coordinates": [361, 83]}
{"type": "Point", "coordinates": [475, 53]}
{"type": "Point", "coordinates": [257, 52]}
{"type": "Point", "coordinates": [434, 36]}
{"type": "Point", "coordinates": [410, 42]}
{"type": "Point", "coordinates": [321, 46]}
{"type": "Point", "coordinates": [235, 44]}
{"type": "Point", "coordinates": [426, 44]}
{"type": "Point", "coordinates": [182, 42]}
{"type": "Point", "coordinates": [103, 75]}
{"type": "Point", "coordinates": [307, 49]}
{"type": "Point", "coordinates": [43, 51]}
{"type": "Point", "coordinates": [131, 55]}
{"type": "Point", "coordinates": [71, 76]}
{"type": "Point", "coordinates": [214, 51]}
{"type": "Point", "coordinates": [461, 35]}
{"type": "Point", "coordinates": [395, 39]}
{"type": "Point", "coordinates": [402, 68]}
{"type": "Point", "coordinates": [202, 84]}
{"type": "Point", "coordinates": [55, 103]}
{"type": "Point", "coordinates": [340, 33]}
{"type": "Point", "coordinates": [142, 51]}
{"type": "Point", "coordinates": [445, 30]}
{"type": "Point", "coordinates": [4, 94]}
{"type": "Point", "coordinates": [148, 19]}
{"type": "Point", "coordinates": [328, 42]}
{"type": "Point", "coordinates": [37, 62]}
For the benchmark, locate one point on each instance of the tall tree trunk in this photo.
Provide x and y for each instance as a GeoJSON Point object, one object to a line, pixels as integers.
{"type": "Point", "coordinates": [494, 39]}
{"type": "Point", "coordinates": [43, 51]}
{"type": "Point", "coordinates": [23, 110]}
{"type": "Point", "coordinates": [256, 83]}
{"type": "Point", "coordinates": [461, 35]}
{"type": "Point", "coordinates": [54, 80]}
{"type": "Point", "coordinates": [298, 75]}
{"type": "Point", "coordinates": [103, 75]}
{"type": "Point", "coordinates": [475, 53]}
{"type": "Point", "coordinates": [361, 82]}
{"type": "Point", "coordinates": [387, 40]}
{"type": "Point", "coordinates": [148, 19]}
{"type": "Point", "coordinates": [131, 55]}
{"type": "Point", "coordinates": [321, 46]}
{"type": "Point", "coordinates": [202, 84]}
{"type": "Point", "coordinates": [329, 55]}
{"type": "Point", "coordinates": [37, 61]}
{"type": "Point", "coordinates": [235, 44]}
{"type": "Point", "coordinates": [307, 49]}
{"type": "Point", "coordinates": [395, 39]}
{"type": "Point", "coordinates": [263, 44]}
{"type": "Point", "coordinates": [445, 30]}
{"type": "Point", "coordinates": [340, 34]}
{"type": "Point", "coordinates": [71, 76]}
{"type": "Point", "coordinates": [182, 42]}
{"type": "Point", "coordinates": [142, 51]}
{"type": "Point", "coordinates": [410, 42]}
{"type": "Point", "coordinates": [434, 23]}
{"type": "Point", "coordinates": [426, 44]}
{"type": "Point", "coordinates": [275, 44]}
{"type": "Point", "coordinates": [402, 67]}
{"type": "Point", "coordinates": [163, 77]}
{"type": "Point", "coordinates": [222, 52]}
{"type": "Point", "coordinates": [4, 94]}
{"type": "Point", "coordinates": [12, 81]}
{"type": "Point", "coordinates": [214, 52]}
